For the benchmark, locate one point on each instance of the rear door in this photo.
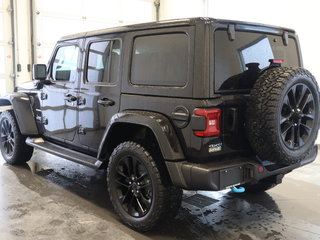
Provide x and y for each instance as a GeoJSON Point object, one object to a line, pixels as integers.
{"type": "Point", "coordinates": [59, 99]}
{"type": "Point", "coordinates": [99, 95]}
{"type": "Point", "coordinates": [237, 64]}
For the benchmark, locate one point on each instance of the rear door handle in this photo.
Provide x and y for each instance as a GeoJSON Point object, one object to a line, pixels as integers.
{"type": "Point", "coordinates": [105, 102]}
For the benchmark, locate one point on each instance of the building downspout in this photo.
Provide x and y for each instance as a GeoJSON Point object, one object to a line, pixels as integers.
{"type": "Point", "coordinates": [32, 32]}
{"type": "Point", "coordinates": [13, 33]}
{"type": "Point", "coordinates": [157, 6]}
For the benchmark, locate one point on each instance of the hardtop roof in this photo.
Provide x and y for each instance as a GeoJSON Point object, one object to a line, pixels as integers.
{"type": "Point", "coordinates": [173, 23]}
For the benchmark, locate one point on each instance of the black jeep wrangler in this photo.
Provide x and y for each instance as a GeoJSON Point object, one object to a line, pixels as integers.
{"type": "Point", "coordinates": [199, 104]}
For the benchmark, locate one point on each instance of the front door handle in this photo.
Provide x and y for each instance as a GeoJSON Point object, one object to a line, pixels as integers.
{"type": "Point", "coordinates": [70, 98]}
{"type": "Point", "coordinates": [105, 102]}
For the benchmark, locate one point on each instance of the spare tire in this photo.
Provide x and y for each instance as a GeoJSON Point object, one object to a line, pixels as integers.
{"type": "Point", "coordinates": [282, 116]}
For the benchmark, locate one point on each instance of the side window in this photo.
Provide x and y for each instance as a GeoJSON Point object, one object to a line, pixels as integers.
{"type": "Point", "coordinates": [160, 60]}
{"type": "Point", "coordinates": [103, 62]}
{"type": "Point", "coordinates": [65, 64]}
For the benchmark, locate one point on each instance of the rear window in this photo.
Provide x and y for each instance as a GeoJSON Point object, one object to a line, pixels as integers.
{"type": "Point", "coordinates": [238, 63]}
{"type": "Point", "coordinates": [160, 60]}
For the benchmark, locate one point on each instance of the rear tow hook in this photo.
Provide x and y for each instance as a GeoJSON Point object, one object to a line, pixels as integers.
{"type": "Point", "coordinates": [238, 190]}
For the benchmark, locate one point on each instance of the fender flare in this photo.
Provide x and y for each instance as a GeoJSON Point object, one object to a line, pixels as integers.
{"type": "Point", "coordinates": [21, 106]}
{"type": "Point", "coordinates": [160, 126]}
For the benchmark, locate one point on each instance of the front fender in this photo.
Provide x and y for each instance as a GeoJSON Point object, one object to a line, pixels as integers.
{"type": "Point", "coordinates": [20, 104]}
{"type": "Point", "coordinates": [157, 123]}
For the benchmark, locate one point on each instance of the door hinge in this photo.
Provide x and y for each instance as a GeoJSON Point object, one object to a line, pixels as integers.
{"type": "Point", "coordinates": [285, 38]}
{"type": "Point", "coordinates": [81, 130]}
{"type": "Point", "coordinates": [81, 101]}
{"type": "Point", "coordinates": [42, 120]}
{"type": "Point", "coordinates": [43, 96]}
{"type": "Point", "coordinates": [231, 32]}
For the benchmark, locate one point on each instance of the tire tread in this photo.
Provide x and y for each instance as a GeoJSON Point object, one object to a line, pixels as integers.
{"type": "Point", "coordinates": [261, 114]}
{"type": "Point", "coordinates": [22, 152]}
{"type": "Point", "coordinates": [169, 197]}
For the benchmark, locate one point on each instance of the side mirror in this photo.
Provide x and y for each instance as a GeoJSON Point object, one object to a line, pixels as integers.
{"type": "Point", "coordinates": [39, 72]}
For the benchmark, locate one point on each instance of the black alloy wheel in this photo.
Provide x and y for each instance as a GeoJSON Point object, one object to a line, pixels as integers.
{"type": "Point", "coordinates": [297, 116]}
{"type": "Point", "coordinates": [139, 189]}
{"type": "Point", "coordinates": [12, 143]}
{"type": "Point", "coordinates": [7, 137]}
{"type": "Point", "coordinates": [282, 115]}
{"type": "Point", "coordinates": [134, 186]}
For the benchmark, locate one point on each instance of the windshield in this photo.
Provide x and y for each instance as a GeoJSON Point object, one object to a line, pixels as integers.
{"type": "Point", "coordinates": [238, 62]}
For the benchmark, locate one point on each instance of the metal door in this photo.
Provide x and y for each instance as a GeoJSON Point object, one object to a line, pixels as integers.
{"type": "Point", "coordinates": [99, 95]}
{"type": "Point", "coordinates": [54, 19]}
{"type": "Point", "coordinates": [60, 99]}
{"type": "Point", "coordinates": [6, 53]}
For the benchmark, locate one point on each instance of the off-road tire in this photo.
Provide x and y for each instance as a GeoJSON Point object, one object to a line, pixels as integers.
{"type": "Point", "coordinates": [165, 199]}
{"type": "Point", "coordinates": [19, 152]}
{"type": "Point", "coordinates": [266, 107]}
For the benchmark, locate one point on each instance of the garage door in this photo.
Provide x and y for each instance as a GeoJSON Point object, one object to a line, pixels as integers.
{"type": "Point", "coordinates": [6, 56]}
{"type": "Point", "coordinates": [54, 19]}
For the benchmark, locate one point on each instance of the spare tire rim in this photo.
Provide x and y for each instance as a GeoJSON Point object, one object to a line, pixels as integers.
{"type": "Point", "coordinates": [7, 137]}
{"type": "Point", "coordinates": [297, 116]}
{"type": "Point", "coordinates": [134, 186]}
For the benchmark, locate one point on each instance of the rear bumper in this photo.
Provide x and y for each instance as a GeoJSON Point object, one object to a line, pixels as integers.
{"type": "Point", "coordinates": [225, 173]}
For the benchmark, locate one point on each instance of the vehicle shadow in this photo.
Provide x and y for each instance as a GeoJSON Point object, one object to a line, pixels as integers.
{"type": "Point", "coordinates": [230, 216]}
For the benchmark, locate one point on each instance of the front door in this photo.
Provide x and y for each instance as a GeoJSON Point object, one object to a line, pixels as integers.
{"type": "Point", "coordinates": [59, 99]}
{"type": "Point", "coordinates": [99, 94]}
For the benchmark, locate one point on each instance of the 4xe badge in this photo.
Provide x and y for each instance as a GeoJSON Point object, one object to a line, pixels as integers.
{"type": "Point", "coordinates": [215, 147]}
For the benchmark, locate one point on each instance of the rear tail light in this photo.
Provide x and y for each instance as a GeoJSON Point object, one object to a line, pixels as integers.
{"type": "Point", "coordinates": [275, 62]}
{"type": "Point", "coordinates": [212, 117]}
{"type": "Point", "coordinates": [260, 169]}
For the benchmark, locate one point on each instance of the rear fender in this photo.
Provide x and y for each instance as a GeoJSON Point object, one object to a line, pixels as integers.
{"type": "Point", "coordinates": [157, 123]}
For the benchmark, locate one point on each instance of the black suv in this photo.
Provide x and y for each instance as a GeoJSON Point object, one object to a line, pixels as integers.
{"type": "Point", "coordinates": [200, 104]}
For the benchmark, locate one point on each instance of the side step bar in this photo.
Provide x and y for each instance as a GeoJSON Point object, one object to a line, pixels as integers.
{"type": "Point", "coordinates": [69, 154]}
